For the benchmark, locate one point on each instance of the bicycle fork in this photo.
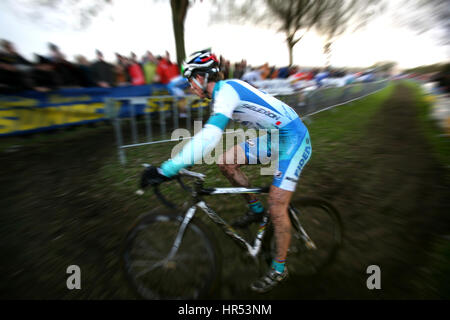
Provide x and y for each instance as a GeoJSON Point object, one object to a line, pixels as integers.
{"type": "Point", "coordinates": [166, 262]}
{"type": "Point", "coordinates": [187, 218]}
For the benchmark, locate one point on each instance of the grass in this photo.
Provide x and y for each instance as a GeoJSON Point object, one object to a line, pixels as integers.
{"type": "Point", "coordinates": [84, 202]}
{"type": "Point", "coordinates": [51, 136]}
{"type": "Point", "coordinates": [435, 135]}
{"type": "Point", "coordinates": [330, 131]}
{"type": "Point", "coordinates": [440, 149]}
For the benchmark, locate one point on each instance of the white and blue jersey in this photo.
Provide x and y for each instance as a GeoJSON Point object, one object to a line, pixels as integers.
{"type": "Point", "coordinates": [237, 100]}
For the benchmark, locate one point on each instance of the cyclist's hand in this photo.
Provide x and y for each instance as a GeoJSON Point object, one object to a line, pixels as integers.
{"type": "Point", "coordinates": [152, 176]}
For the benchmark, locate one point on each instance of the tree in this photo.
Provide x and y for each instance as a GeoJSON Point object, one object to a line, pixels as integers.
{"type": "Point", "coordinates": [297, 15]}
{"type": "Point", "coordinates": [426, 15]}
{"type": "Point", "coordinates": [441, 16]}
{"type": "Point", "coordinates": [179, 12]}
{"type": "Point", "coordinates": [81, 11]}
{"type": "Point", "coordinates": [340, 15]}
{"type": "Point", "coordinates": [384, 66]}
{"type": "Point", "coordinates": [293, 17]}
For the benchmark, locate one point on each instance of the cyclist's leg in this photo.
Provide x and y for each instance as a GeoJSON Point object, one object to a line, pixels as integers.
{"type": "Point", "coordinates": [284, 184]}
{"type": "Point", "coordinates": [290, 164]}
{"type": "Point", "coordinates": [247, 152]}
{"type": "Point", "coordinates": [279, 200]}
{"type": "Point", "coordinates": [230, 164]}
{"type": "Point", "coordinates": [278, 209]}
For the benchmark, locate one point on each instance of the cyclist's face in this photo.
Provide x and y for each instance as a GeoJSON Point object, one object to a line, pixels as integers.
{"type": "Point", "coordinates": [195, 88]}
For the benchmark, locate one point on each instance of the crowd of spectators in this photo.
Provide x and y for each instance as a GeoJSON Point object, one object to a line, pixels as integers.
{"type": "Point", "coordinates": [54, 71]}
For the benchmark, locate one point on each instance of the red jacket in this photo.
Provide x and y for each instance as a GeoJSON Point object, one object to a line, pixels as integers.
{"type": "Point", "coordinates": [136, 74]}
{"type": "Point", "coordinates": [166, 71]}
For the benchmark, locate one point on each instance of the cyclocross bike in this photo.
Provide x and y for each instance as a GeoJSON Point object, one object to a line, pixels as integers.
{"type": "Point", "coordinates": [172, 255]}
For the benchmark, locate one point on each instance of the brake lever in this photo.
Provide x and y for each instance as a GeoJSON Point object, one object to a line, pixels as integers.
{"type": "Point", "coordinates": [140, 192]}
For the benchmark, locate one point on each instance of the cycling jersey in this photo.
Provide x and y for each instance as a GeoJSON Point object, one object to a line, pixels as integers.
{"type": "Point", "coordinates": [253, 108]}
{"type": "Point", "coordinates": [239, 101]}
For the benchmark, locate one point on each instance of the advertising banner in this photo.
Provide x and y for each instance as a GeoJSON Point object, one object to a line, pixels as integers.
{"type": "Point", "coordinates": [37, 111]}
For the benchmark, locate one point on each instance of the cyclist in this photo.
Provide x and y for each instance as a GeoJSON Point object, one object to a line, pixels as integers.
{"type": "Point", "coordinates": [237, 100]}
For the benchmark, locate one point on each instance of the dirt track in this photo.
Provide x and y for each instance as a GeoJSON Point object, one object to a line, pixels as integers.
{"type": "Point", "coordinates": [394, 204]}
{"type": "Point", "coordinates": [390, 191]}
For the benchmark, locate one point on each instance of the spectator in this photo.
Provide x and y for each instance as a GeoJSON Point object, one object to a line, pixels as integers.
{"type": "Point", "coordinates": [14, 69]}
{"type": "Point", "coordinates": [44, 75]}
{"type": "Point", "coordinates": [265, 71]}
{"type": "Point", "coordinates": [239, 69]}
{"type": "Point", "coordinates": [135, 71]}
{"type": "Point", "coordinates": [55, 54]}
{"type": "Point", "coordinates": [224, 67]}
{"type": "Point", "coordinates": [68, 73]}
{"type": "Point", "coordinates": [102, 72]}
{"type": "Point", "coordinates": [443, 79]}
{"type": "Point", "coordinates": [149, 66]}
{"type": "Point", "coordinates": [169, 75]}
{"type": "Point", "coordinates": [293, 70]}
{"type": "Point", "coordinates": [166, 70]}
{"type": "Point", "coordinates": [230, 70]}
{"type": "Point", "coordinates": [122, 76]}
{"type": "Point", "coordinates": [283, 73]}
{"type": "Point", "coordinates": [85, 72]}
{"type": "Point", "coordinates": [273, 73]}
{"type": "Point", "coordinates": [252, 76]}
{"type": "Point", "coordinates": [319, 77]}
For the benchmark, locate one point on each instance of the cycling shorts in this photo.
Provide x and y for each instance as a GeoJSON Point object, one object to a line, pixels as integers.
{"type": "Point", "coordinates": [294, 151]}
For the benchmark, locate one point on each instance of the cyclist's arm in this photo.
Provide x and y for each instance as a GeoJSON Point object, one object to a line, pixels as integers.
{"type": "Point", "coordinates": [204, 141]}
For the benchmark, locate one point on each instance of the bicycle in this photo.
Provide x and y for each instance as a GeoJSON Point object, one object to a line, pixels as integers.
{"type": "Point", "coordinates": [168, 255]}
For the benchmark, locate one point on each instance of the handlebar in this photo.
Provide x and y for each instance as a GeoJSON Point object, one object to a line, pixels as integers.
{"type": "Point", "coordinates": [192, 174]}
{"type": "Point", "coordinates": [183, 172]}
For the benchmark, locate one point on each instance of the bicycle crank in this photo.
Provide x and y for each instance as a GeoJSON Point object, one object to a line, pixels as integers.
{"type": "Point", "coordinates": [171, 264]}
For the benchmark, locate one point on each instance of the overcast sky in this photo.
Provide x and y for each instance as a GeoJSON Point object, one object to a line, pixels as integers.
{"type": "Point", "coordinates": [140, 25]}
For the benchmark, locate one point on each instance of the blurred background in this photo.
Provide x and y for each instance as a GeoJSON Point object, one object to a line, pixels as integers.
{"type": "Point", "coordinates": [90, 90]}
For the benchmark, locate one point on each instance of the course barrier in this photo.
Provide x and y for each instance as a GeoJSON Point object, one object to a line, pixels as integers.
{"type": "Point", "coordinates": [34, 111]}
{"type": "Point", "coordinates": [152, 111]}
{"type": "Point", "coordinates": [129, 109]}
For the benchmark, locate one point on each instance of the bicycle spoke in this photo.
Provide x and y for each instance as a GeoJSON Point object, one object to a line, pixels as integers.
{"type": "Point", "coordinates": [313, 246]}
{"type": "Point", "coordinates": [141, 263]}
{"type": "Point", "coordinates": [153, 267]}
{"type": "Point", "coordinates": [185, 275]}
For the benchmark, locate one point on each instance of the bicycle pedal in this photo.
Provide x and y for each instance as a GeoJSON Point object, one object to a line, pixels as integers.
{"type": "Point", "coordinates": [310, 245]}
{"type": "Point", "coordinates": [170, 265]}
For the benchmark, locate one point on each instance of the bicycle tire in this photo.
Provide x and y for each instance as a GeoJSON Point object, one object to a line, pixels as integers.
{"type": "Point", "coordinates": [323, 224]}
{"type": "Point", "coordinates": [192, 274]}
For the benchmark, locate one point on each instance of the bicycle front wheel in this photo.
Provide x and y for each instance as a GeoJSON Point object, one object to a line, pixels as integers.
{"type": "Point", "coordinates": [190, 274]}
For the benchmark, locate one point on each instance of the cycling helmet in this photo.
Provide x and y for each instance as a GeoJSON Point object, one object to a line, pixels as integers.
{"type": "Point", "coordinates": [201, 62]}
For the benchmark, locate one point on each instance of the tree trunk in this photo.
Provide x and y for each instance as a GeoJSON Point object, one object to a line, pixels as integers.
{"type": "Point", "coordinates": [179, 10]}
{"type": "Point", "coordinates": [291, 52]}
{"type": "Point", "coordinates": [327, 51]}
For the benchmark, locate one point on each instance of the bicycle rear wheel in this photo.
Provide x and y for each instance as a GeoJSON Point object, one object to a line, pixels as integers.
{"type": "Point", "coordinates": [191, 274]}
{"type": "Point", "coordinates": [315, 243]}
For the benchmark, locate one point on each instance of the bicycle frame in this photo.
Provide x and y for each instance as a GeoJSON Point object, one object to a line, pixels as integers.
{"type": "Point", "coordinates": [198, 202]}
{"type": "Point", "coordinates": [253, 250]}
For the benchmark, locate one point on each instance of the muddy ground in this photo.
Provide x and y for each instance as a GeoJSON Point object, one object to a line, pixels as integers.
{"type": "Point", "coordinates": [389, 188]}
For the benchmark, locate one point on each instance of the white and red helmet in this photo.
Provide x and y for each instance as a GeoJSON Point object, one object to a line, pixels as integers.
{"type": "Point", "coordinates": [201, 62]}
